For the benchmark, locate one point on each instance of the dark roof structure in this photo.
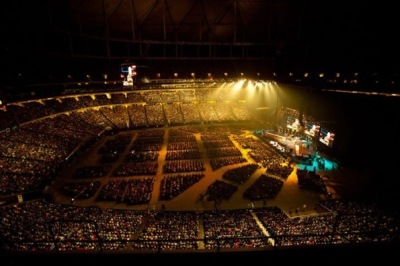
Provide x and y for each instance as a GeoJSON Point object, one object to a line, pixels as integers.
{"type": "Point", "coordinates": [285, 35]}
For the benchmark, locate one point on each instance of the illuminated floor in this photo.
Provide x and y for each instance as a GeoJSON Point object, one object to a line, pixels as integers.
{"type": "Point", "coordinates": [290, 197]}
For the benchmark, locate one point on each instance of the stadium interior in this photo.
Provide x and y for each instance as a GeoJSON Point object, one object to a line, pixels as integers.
{"type": "Point", "coordinates": [198, 131]}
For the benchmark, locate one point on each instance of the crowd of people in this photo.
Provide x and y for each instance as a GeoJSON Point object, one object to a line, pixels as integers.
{"type": "Point", "coordinates": [49, 131]}
{"type": "Point", "coordinates": [38, 136]}
{"type": "Point", "coordinates": [51, 227]}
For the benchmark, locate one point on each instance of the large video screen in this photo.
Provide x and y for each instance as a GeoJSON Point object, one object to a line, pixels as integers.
{"type": "Point", "coordinates": [293, 123]}
{"type": "Point", "coordinates": [326, 137]}
{"type": "Point", "coordinates": [311, 129]}
{"type": "Point", "coordinates": [128, 73]}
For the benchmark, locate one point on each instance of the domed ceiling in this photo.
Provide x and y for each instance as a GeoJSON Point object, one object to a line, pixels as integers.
{"type": "Point", "coordinates": [355, 35]}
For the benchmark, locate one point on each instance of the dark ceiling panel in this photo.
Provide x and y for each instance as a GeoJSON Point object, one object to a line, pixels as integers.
{"type": "Point", "coordinates": [189, 20]}
{"type": "Point", "coordinates": [307, 34]}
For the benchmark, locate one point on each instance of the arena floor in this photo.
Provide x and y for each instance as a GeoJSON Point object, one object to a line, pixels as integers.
{"type": "Point", "coordinates": [339, 182]}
